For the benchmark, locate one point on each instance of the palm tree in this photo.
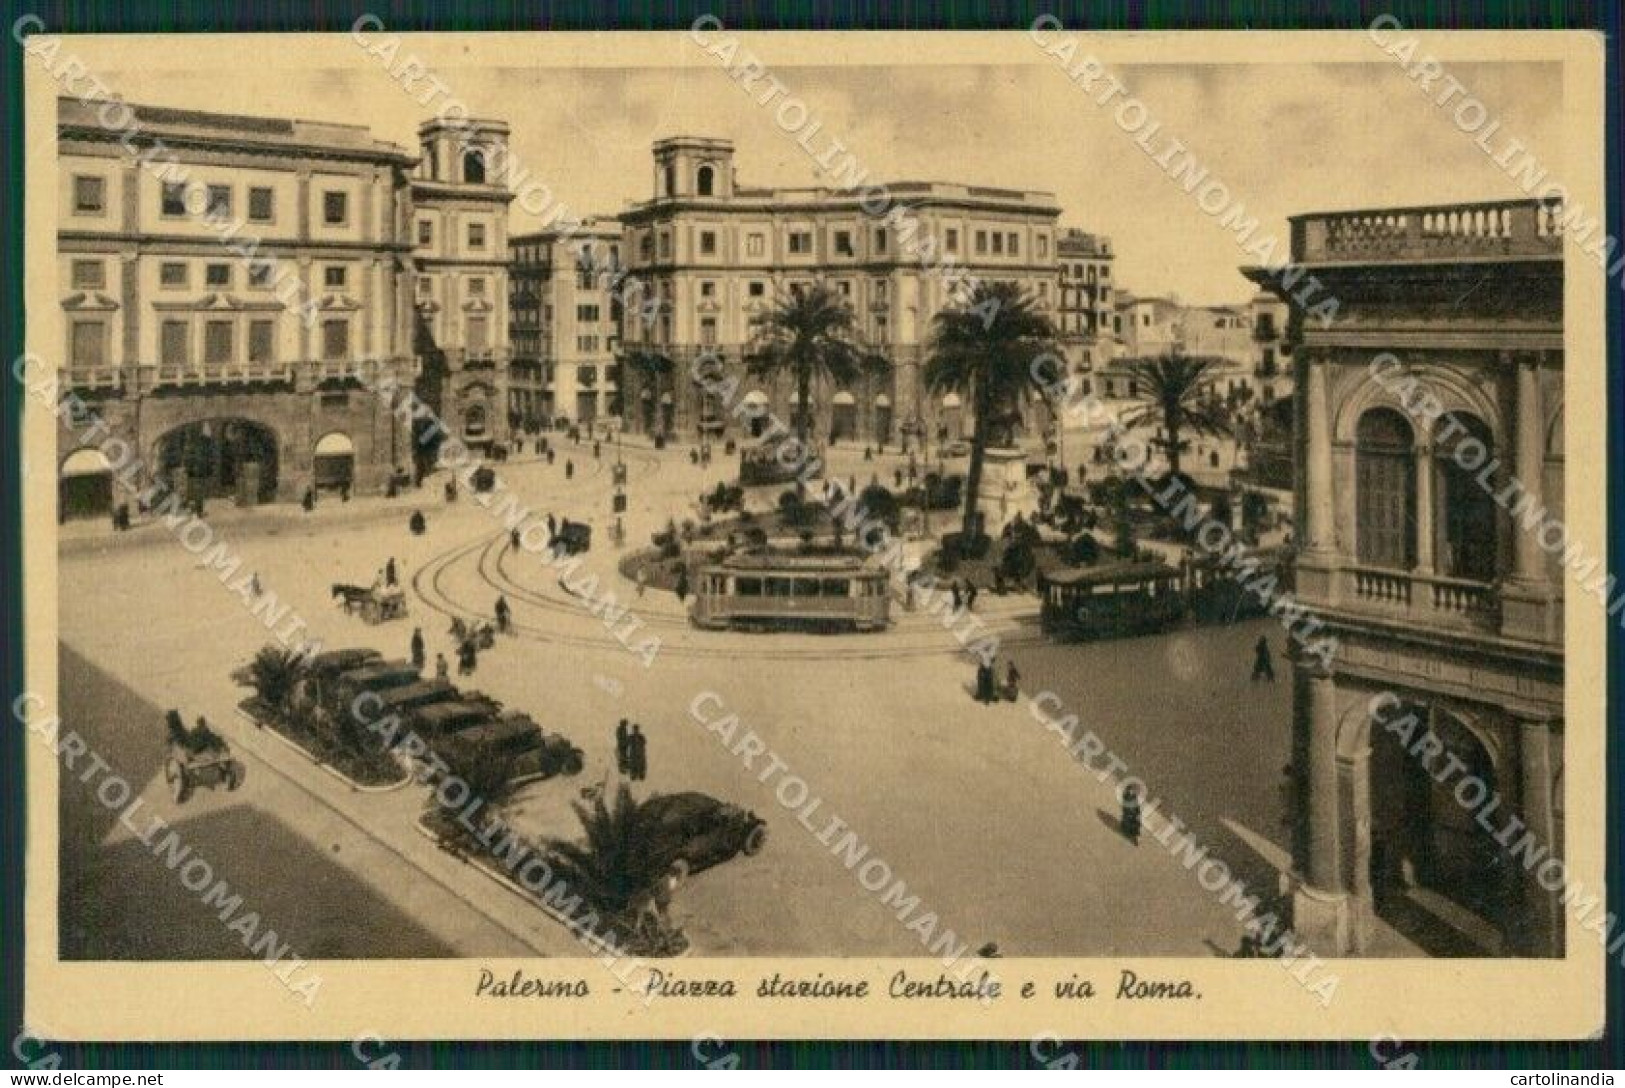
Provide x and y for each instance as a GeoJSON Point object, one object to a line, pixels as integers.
{"type": "Point", "coordinates": [990, 351]}
{"type": "Point", "coordinates": [612, 870]}
{"type": "Point", "coordinates": [1177, 394]}
{"type": "Point", "coordinates": [272, 674]}
{"type": "Point", "coordinates": [809, 334]}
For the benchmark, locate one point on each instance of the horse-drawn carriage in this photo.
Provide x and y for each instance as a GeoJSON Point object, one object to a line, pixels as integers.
{"type": "Point", "coordinates": [481, 633]}
{"type": "Point", "coordinates": [375, 604]}
{"type": "Point", "coordinates": [197, 758]}
{"type": "Point", "coordinates": [574, 537]}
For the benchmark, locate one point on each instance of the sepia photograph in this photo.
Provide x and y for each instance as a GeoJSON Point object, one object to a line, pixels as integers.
{"type": "Point", "coordinates": [717, 534]}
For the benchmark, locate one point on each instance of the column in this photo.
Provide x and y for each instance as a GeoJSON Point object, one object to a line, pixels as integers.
{"type": "Point", "coordinates": [1526, 595]}
{"type": "Point", "coordinates": [1318, 534]}
{"type": "Point", "coordinates": [1542, 924]}
{"type": "Point", "coordinates": [1320, 901]}
{"type": "Point", "coordinates": [1425, 562]}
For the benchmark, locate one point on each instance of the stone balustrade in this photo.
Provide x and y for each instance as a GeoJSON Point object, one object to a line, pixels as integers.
{"type": "Point", "coordinates": [1519, 228]}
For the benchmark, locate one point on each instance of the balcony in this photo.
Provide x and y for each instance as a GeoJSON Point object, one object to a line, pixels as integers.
{"type": "Point", "coordinates": [1505, 229]}
{"type": "Point", "coordinates": [1433, 599]}
{"type": "Point", "coordinates": [233, 372]}
{"type": "Point", "coordinates": [94, 376]}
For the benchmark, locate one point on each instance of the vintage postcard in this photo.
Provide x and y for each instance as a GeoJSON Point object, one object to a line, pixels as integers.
{"type": "Point", "coordinates": [720, 535]}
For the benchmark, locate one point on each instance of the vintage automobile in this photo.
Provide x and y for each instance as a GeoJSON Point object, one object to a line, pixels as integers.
{"type": "Point", "coordinates": [374, 676]}
{"type": "Point", "coordinates": [411, 696]}
{"type": "Point", "coordinates": [198, 758]}
{"type": "Point", "coordinates": [574, 537]}
{"type": "Point", "coordinates": [691, 831]}
{"type": "Point", "coordinates": [529, 752]}
{"type": "Point", "coordinates": [437, 721]}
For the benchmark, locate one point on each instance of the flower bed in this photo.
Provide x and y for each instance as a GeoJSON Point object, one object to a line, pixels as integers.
{"type": "Point", "coordinates": [366, 767]}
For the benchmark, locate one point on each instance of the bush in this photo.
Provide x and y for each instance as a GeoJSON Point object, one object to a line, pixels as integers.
{"type": "Point", "coordinates": [961, 546]}
{"type": "Point", "coordinates": [1083, 550]}
{"type": "Point", "coordinates": [880, 504]}
{"type": "Point", "coordinates": [1018, 562]}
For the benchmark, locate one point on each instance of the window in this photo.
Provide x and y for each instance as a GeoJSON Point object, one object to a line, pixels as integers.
{"type": "Point", "coordinates": [587, 344]}
{"type": "Point", "coordinates": [259, 273]}
{"type": "Point", "coordinates": [476, 236]}
{"type": "Point", "coordinates": [843, 243]}
{"type": "Point", "coordinates": [981, 241]}
{"type": "Point", "coordinates": [334, 275]}
{"type": "Point", "coordinates": [665, 246]}
{"type": "Point", "coordinates": [880, 240]}
{"type": "Point", "coordinates": [217, 342]}
{"type": "Point", "coordinates": [425, 286]}
{"type": "Point", "coordinates": [217, 202]}
{"type": "Point", "coordinates": [476, 287]}
{"type": "Point", "coordinates": [951, 240]}
{"type": "Point", "coordinates": [880, 290]}
{"type": "Point", "coordinates": [705, 181]}
{"type": "Point", "coordinates": [801, 241]}
{"type": "Point", "coordinates": [335, 208]}
{"type": "Point", "coordinates": [844, 287]}
{"type": "Point", "coordinates": [261, 204]}
{"type": "Point", "coordinates": [1043, 246]}
{"type": "Point", "coordinates": [425, 232]}
{"type": "Point", "coordinates": [757, 289]}
{"type": "Point", "coordinates": [474, 166]}
{"type": "Point", "coordinates": [335, 338]}
{"type": "Point", "coordinates": [669, 175]}
{"type": "Point", "coordinates": [172, 274]}
{"type": "Point", "coordinates": [646, 247]}
{"type": "Point", "coordinates": [175, 343]}
{"type": "Point", "coordinates": [173, 199]}
{"type": "Point", "coordinates": [1385, 490]}
{"type": "Point", "coordinates": [89, 274]}
{"type": "Point", "coordinates": [89, 195]}
{"type": "Point", "coordinates": [261, 341]}
{"type": "Point", "coordinates": [708, 289]}
{"type": "Point", "coordinates": [754, 245]}
{"type": "Point", "coordinates": [998, 243]}
{"type": "Point", "coordinates": [89, 343]}
{"type": "Point", "coordinates": [217, 275]}
{"type": "Point", "coordinates": [708, 242]}
{"type": "Point", "coordinates": [1464, 507]}
{"type": "Point", "coordinates": [478, 335]}
{"type": "Point", "coordinates": [587, 314]}
{"type": "Point", "coordinates": [708, 331]}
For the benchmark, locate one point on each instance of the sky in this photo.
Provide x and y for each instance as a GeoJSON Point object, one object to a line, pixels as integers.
{"type": "Point", "coordinates": [1286, 139]}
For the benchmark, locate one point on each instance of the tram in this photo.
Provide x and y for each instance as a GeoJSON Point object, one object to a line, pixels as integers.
{"type": "Point", "coordinates": [1111, 601]}
{"type": "Point", "coordinates": [764, 590]}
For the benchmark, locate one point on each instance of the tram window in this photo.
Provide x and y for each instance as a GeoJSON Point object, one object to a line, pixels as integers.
{"type": "Point", "coordinates": [806, 587]}
{"type": "Point", "coordinates": [748, 587]}
{"type": "Point", "coordinates": [778, 587]}
{"type": "Point", "coordinates": [834, 587]}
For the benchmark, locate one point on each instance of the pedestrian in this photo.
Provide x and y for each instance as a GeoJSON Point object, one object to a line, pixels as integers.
{"type": "Point", "coordinates": [595, 450]}
{"type": "Point", "coordinates": [682, 585]}
{"type": "Point", "coordinates": [550, 455]}
{"type": "Point", "coordinates": [441, 671]}
{"type": "Point", "coordinates": [344, 491]}
{"type": "Point", "coordinates": [254, 584]}
{"type": "Point", "coordinates": [552, 528]}
{"type": "Point", "coordinates": [1131, 814]}
{"type": "Point", "coordinates": [416, 523]}
{"type": "Point", "coordinates": [569, 470]}
{"type": "Point", "coordinates": [637, 754]}
{"type": "Point", "coordinates": [390, 572]}
{"type": "Point", "coordinates": [622, 736]}
{"type": "Point", "coordinates": [954, 594]}
{"type": "Point", "coordinates": [984, 682]}
{"type": "Point", "coordinates": [897, 478]}
{"type": "Point", "coordinates": [1263, 667]}
{"type": "Point", "coordinates": [502, 614]}
{"type": "Point", "coordinates": [417, 648]}
{"type": "Point", "coordinates": [970, 596]}
{"type": "Point", "coordinates": [513, 538]}
{"type": "Point", "coordinates": [1012, 681]}
{"type": "Point", "coordinates": [643, 580]}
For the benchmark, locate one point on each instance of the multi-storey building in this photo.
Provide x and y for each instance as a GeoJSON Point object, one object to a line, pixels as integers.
{"type": "Point", "coordinates": [1439, 386]}
{"type": "Point", "coordinates": [567, 293]}
{"type": "Point", "coordinates": [223, 296]}
{"type": "Point", "coordinates": [459, 200]}
{"type": "Point", "coordinates": [1083, 314]}
{"type": "Point", "coordinates": [713, 254]}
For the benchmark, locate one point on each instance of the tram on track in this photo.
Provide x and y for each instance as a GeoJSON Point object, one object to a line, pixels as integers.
{"type": "Point", "coordinates": [762, 590]}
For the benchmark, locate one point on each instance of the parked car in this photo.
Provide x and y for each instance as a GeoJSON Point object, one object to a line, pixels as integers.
{"type": "Point", "coordinates": [692, 831]}
{"type": "Point", "coordinates": [374, 676]}
{"type": "Point", "coordinates": [528, 751]}
{"type": "Point", "coordinates": [439, 720]}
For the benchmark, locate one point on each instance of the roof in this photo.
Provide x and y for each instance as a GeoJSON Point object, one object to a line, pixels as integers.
{"type": "Point", "coordinates": [768, 559]}
{"type": "Point", "coordinates": [1113, 572]}
{"type": "Point", "coordinates": [181, 126]}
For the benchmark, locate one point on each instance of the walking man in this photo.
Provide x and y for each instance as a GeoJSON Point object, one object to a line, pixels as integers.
{"type": "Point", "coordinates": [970, 596]}
{"type": "Point", "coordinates": [502, 614]}
{"type": "Point", "coordinates": [389, 572]}
{"type": "Point", "coordinates": [622, 743]}
{"type": "Point", "coordinates": [1131, 814]}
{"type": "Point", "coordinates": [1263, 668]}
{"type": "Point", "coordinates": [441, 670]}
{"type": "Point", "coordinates": [569, 470]}
{"type": "Point", "coordinates": [417, 648]}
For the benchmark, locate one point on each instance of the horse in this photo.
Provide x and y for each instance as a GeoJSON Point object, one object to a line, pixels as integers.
{"type": "Point", "coordinates": [348, 593]}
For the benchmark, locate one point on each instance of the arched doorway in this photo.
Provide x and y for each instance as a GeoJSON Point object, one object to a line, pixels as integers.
{"type": "Point", "coordinates": [1464, 509]}
{"type": "Point", "coordinates": [84, 485]}
{"type": "Point", "coordinates": [1437, 872]}
{"type": "Point", "coordinates": [950, 424]}
{"type": "Point", "coordinates": [668, 414]}
{"type": "Point", "coordinates": [220, 458]}
{"type": "Point", "coordinates": [756, 405]}
{"type": "Point", "coordinates": [883, 418]}
{"type": "Point", "coordinates": [843, 421]}
{"type": "Point", "coordinates": [1385, 490]}
{"type": "Point", "coordinates": [333, 463]}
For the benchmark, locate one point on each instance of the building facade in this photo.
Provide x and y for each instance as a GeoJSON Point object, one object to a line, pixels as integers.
{"type": "Point", "coordinates": [1446, 615]}
{"type": "Point", "coordinates": [706, 255]}
{"type": "Point", "coordinates": [459, 202]}
{"type": "Point", "coordinates": [1083, 314]}
{"type": "Point", "coordinates": [224, 297]}
{"type": "Point", "coordinates": [567, 303]}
